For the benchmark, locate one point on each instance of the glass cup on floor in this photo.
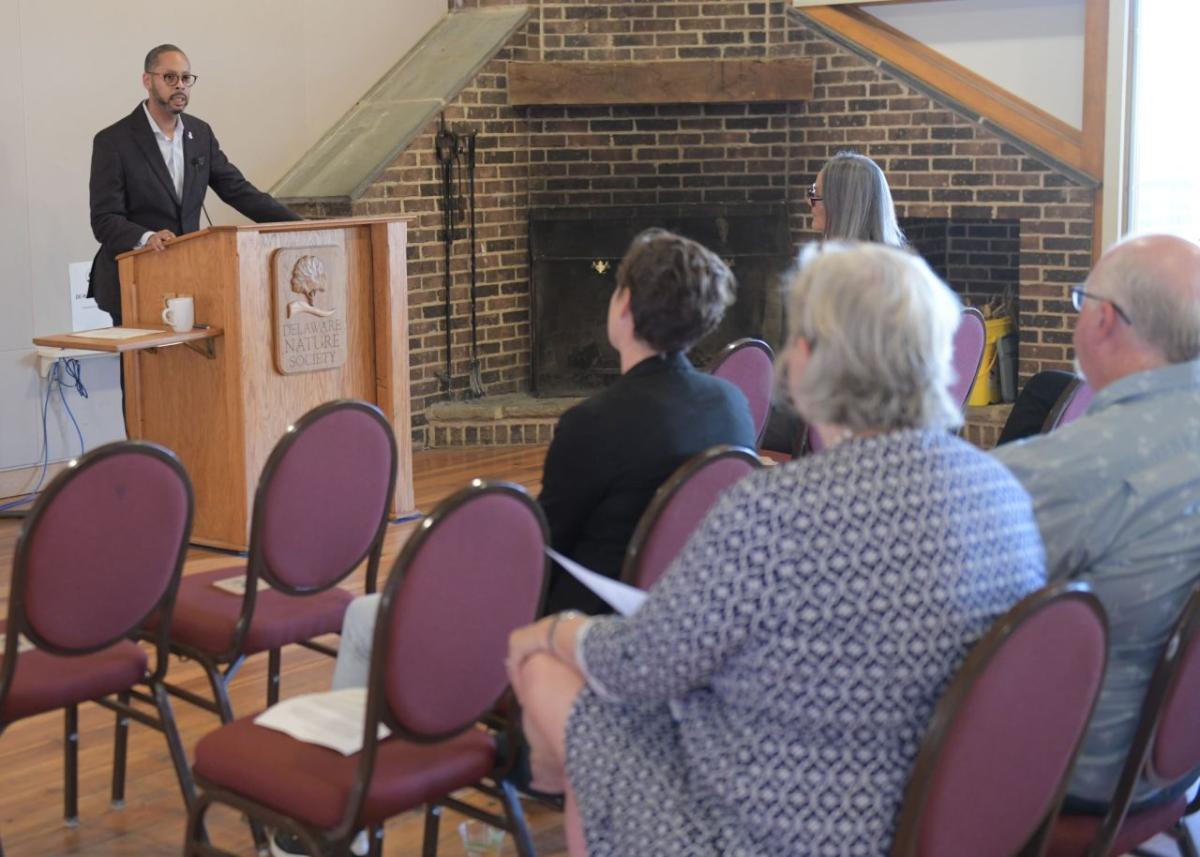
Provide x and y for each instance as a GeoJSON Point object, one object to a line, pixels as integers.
{"type": "Point", "coordinates": [481, 840]}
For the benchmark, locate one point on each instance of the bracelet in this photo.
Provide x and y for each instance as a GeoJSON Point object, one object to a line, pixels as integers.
{"type": "Point", "coordinates": [558, 617]}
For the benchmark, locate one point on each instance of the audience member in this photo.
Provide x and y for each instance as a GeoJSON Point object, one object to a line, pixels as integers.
{"type": "Point", "coordinates": [1117, 492]}
{"type": "Point", "coordinates": [771, 694]}
{"type": "Point", "coordinates": [612, 452]}
{"type": "Point", "coordinates": [850, 201]}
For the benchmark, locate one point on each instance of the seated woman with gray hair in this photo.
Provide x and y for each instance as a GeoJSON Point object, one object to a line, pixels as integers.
{"type": "Point", "coordinates": [771, 694]}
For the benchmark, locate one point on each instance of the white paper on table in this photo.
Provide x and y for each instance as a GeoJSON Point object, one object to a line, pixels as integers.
{"type": "Point", "coordinates": [622, 597]}
{"type": "Point", "coordinates": [115, 333]}
{"type": "Point", "coordinates": [333, 719]}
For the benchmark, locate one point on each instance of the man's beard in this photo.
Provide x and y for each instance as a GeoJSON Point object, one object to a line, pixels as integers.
{"type": "Point", "coordinates": [169, 105]}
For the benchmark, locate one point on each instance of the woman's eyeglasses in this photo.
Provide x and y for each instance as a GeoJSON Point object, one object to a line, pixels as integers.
{"type": "Point", "coordinates": [813, 196]}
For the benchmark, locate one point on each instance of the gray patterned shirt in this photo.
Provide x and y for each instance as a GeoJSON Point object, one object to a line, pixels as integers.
{"type": "Point", "coordinates": [1117, 498]}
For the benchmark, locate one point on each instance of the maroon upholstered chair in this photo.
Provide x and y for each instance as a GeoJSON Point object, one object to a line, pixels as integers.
{"type": "Point", "coordinates": [678, 507]}
{"type": "Point", "coordinates": [749, 364]}
{"type": "Point", "coordinates": [473, 572]}
{"type": "Point", "coordinates": [969, 341]}
{"type": "Point", "coordinates": [1072, 403]}
{"type": "Point", "coordinates": [992, 768]}
{"type": "Point", "coordinates": [1165, 752]}
{"type": "Point", "coordinates": [101, 551]}
{"type": "Point", "coordinates": [320, 509]}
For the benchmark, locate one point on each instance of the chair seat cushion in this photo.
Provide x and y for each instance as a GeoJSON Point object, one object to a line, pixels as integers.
{"type": "Point", "coordinates": [312, 784]}
{"type": "Point", "coordinates": [45, 682]}
{"type": "Point", "coordinates": [205, 617]}
{"type": "Point", "coordinates": [1073, 835]}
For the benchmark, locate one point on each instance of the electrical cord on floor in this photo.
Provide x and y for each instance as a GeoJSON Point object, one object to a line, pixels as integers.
{"type": "Point", "coordinates": [71, 367]}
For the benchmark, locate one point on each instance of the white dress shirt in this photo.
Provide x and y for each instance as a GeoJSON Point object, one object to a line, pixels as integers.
{"type": "Point", "coordinates": [172, 153]}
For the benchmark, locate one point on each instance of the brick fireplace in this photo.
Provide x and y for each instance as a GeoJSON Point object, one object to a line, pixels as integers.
{"type": "Point", "coordinates": [992, 215]}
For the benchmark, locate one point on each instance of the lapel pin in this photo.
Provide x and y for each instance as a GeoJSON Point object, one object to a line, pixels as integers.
{"type": "Point", "coordinates": [190, 137]}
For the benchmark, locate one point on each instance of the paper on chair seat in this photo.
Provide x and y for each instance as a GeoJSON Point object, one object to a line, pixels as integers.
{"type": "Point", "coordinates": [333, 719]}
{"type": "Point", "coordinates": [23, 645]}
{"type": "Point", "coordinates": [237, 585]}
{"type": "Point", "coordinates": [622, 597]}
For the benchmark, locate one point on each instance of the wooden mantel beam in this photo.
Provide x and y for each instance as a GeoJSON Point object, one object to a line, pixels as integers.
{"type": "Point", "coordinates": [683, 82]}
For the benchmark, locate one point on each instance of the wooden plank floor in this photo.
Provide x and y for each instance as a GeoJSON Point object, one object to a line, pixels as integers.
{"type": "Point", "coordinates": [152, 821]}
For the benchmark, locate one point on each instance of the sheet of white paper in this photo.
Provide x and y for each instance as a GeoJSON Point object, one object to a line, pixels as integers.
{"type": "Point", "coordinates": [237, 585]}
{"type": "Point", "coordinates": [622, 597]}
{"type": "Point", "coordinates": [85, 315]}
{"type": "Point", "coordinates": [333, 719]}
{"type": "Point", "coordinates": [116, 333]}
{"type": "Point", "coordinates": [23, 645]}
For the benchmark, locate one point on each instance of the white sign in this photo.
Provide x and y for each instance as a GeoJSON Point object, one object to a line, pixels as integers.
{"type": "Point", "coordinates": [85, 315]}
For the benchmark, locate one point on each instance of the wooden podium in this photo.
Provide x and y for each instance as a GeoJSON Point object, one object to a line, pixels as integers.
{"type": "Point", "coordinates": [290, 299]}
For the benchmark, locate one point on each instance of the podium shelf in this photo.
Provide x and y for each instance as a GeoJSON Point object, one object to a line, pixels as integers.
{"type": "Point", "coordinates": [119, 340]}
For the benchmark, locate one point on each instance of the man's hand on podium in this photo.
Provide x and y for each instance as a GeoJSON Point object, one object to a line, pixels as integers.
{"type": "Point", "coordinates": [159, 240]}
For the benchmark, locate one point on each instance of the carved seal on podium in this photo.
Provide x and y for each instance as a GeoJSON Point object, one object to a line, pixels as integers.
{"type": "Point", "coordinates": [310, 309]}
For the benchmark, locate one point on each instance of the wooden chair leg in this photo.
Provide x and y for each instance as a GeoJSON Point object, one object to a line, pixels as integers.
{"type": "Point", "coordinates": [429, 844]}
{"type": "Point", "coordinates": [71, 765]}
{"type": "Point", "coordinates": [120, 753]}
{"type": "Point", "coordinates": [273, 666]}
{"type": "Point", "coordinates": [516, 820]}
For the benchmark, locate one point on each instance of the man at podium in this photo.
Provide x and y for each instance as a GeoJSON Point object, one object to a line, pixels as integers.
{"type": "Point", "coordinates": [150, 172]}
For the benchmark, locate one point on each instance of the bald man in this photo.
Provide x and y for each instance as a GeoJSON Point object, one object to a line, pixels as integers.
{"type": "Point", "coordinates": [1117, 493]}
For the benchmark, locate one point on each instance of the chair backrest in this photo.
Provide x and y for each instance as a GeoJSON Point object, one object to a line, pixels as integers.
{"type": "Point", "coordinates": [678, 507]}
{"type": "Point", "coordinates": [1071, 404]}
{"type": "Point", "coordinates": [1166, 745]}
{"type": "Point", "coordinates": [474, 571]}
{"type": "Point", "coordinates": [969, 341]}
{"type": "Point", "coordinates": [323, 498]}
{"type": "Point", "coordinates": [102, 549]}
{"type": "Point", "coordinates": [749, 364]}
{"type": "Point", "coordinates": [992, 768]}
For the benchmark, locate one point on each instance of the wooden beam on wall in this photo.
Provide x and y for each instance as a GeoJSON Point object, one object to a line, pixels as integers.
{"type": "Point", "coordinates": [973, 91]}
{"type": "Point", "coordinates": [684, 82]}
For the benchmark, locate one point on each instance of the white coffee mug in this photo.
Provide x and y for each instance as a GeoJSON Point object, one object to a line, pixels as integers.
{"type": "Point", "coordinates": [180, 314]}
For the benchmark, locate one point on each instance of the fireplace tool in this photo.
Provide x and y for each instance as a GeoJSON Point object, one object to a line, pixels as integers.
{"type": "Point", "coordinates": [446, 145]}
{"type": "Point", "coordinates": [476, 377]}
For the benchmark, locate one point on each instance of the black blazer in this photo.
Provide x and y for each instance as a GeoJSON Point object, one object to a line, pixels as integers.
{"type": "Point", "coordinates": [612, 452]}
{"type": "Point", "coordinates": [131, 193]}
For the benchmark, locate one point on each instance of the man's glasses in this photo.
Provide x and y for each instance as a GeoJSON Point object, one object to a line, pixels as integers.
{"type": "Point", "coordinates": [813, 196]}
{"type": "Point", "coordinates": [1078, 293]}
{"type": "Point", "coordinates": [170, 78]}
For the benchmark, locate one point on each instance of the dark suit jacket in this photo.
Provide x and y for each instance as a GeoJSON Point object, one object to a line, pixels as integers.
{"type": "Point", "coordinates": [132, 193]}
{"type": "Point", "coordinates": [611, 453]}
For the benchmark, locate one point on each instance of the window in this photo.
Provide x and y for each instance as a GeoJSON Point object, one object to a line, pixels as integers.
{"type": "Point", "coordinates": [1164, 170]}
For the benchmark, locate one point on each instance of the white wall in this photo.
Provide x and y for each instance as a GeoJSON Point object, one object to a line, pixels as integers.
{"type": "Point", "coordinates": [274, 75]}
{"type": "Point", "coordinates": [1033, 48]}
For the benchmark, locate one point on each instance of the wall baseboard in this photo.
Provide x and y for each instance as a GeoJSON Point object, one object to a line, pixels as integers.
{"type": "Point", "coordinates": [20, 480]}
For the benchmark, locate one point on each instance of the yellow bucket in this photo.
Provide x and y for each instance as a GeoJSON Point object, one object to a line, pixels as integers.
{"type": "Point", "coordinates": [987, 381]}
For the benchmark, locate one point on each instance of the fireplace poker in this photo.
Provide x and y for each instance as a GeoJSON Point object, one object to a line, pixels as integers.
{"type": "Point", "coordinates": [445, 145]}
{"type": "Point", "coordinates": [476, 376]}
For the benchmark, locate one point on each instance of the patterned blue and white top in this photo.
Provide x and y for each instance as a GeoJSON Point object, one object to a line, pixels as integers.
{"type": "Point", "coordinates": [771, 694]}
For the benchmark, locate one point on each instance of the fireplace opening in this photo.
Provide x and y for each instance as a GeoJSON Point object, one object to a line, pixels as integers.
{"type": "Point", "coordinates": [574, 259]}
{"type": "Point", "coordinates": [980, 259]}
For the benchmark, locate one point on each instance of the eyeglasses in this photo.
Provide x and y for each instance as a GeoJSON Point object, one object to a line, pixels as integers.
{"type": "Point", "coordinates": [1078, 293]}
{"type": "Point", "coordinates": [813, 196]}
{"type": "Point", "coordinates": [170, 78]}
